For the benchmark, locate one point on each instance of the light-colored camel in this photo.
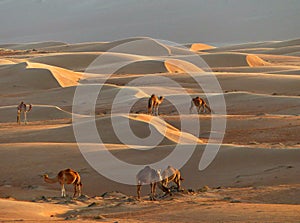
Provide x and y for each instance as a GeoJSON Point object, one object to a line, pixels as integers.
{"type": "Point", "coordinates": [171, 174]}
{"type": "Point", "coordinates": [22, 108]}
{"type": "Point", "coordinates": [199, 103]}
{"type": "Point", "coordinates": [149, 176]}
{"type": "Point", "coordinates": [67, 176]}
{"type": "Point", "coordinates": [153, 104]}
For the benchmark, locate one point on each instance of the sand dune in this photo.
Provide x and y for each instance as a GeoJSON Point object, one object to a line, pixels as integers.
{"type": "Point", "coordinates": [20, 78]}
{"type": "Point", "coordinates": [65, 78]}
{"type": "Point", "coordinates": [250, 82]}
{"type": "Point", "coordinates": [288, 72]}
{"type": "Point", "coordinates": [143, 67]}
{"type": "Point", "coordinates": [112, 63]}
{"type": "Point", "coordinates": [29, 46]}
{"type": "Point", "coordinates": [264, 69]}
{"type": "Point", "coordinates": [200, 47]}
{"type": "Point", "coordinates": [296, 54]}
{"type": "Point", "coordinates": [71, 61]}
{"type": "Point", "coordinates": [103, 62]}
{"type": "Point", "coordinates": [4, 61]}
{"type": "Point", "coordinates": [285, 43]}
{"type": "Point", "coordinates": [268, 164]}
{"type": "Point", "coordinates": [38, 212]}
{"type": "Point", "coordinates": [140, 124]}
{"type": "Point", "coordinates": [158, 66]}
{"type": "Point", "coordinates": [243, 46]}
{"type": "Point", "coordinates": [33, 76]}
{"type": "Point", "coordinates": [233, 60]}
{"type": "Point", "coordinates": [149, 47]}
{"type": "Point", "coordinates": [287, 50]}
{"type": "Point", "coordinates": [275, 46]}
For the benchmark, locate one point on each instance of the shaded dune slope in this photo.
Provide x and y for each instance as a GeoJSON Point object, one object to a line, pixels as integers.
{"type": "Point", "coordinates": [33, 76]}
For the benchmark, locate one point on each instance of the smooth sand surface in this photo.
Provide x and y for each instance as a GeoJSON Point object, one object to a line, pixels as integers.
{"type": "Point", "coordinates": [254, 177]}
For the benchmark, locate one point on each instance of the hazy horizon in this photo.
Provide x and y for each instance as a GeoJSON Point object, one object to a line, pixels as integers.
{"type": "Point", "coordinates": [216, 21]}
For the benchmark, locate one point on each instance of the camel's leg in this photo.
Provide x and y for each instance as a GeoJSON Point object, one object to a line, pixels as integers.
{"type": "Point", "coordinates": [149, 110]}
{"type": "Point", "coordinates": [18, 117]}
{"type": "Point", "coordinates": [79, 189]}
{"type": "Point", "coordinates": [177, 181]}
{"type": "Point", "coordinates": [63, 191]}
{"type": "Point", "coordinates": [191, 108]}
{"type": "Point", "coordinates": [208, 108]}
{"type": "Point", "coordinates": [75, 190]}
{"type": "Point", "coordinates": [152, 194]}
{"type": "Point", "coordinates": [157, 110]}
{"type": "Point", "coordinates": [25, 117]}
{"type": "Point", "coordinates": [198, 109]}
{"type": "Point", "coordinates": [154, 189]}
{"type": "Point", "coordinates": [139, 186]}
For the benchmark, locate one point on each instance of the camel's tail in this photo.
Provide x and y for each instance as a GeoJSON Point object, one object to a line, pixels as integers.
{"type": "Point", "coordinates": [50, 180]}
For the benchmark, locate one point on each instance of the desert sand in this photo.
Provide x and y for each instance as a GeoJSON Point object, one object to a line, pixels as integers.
{"type": "Point", "coordinates": [254, 177]}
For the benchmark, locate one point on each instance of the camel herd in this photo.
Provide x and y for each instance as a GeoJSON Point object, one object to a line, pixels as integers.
{"type": "Point", "coordinates": [153, 104]}
{"type": "Point", "coordinates": [145, 176]}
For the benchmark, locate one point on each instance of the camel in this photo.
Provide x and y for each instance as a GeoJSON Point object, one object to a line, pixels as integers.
{"type": "Point", "coordinates": [67, 176]}
{"type": "Point", "coordinates": [199, 103]}
{"type": "Point", "coordinates": [153, 104]}
{"type": "Point", "coordinates": [23, 108]}
{"type": "Point", "coordinates": [171, 174]}
{"type": "Point", "coordinates": [149, 176]}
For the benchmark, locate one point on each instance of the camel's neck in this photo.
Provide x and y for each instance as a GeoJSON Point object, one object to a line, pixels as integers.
{"type": "Point", "coordinates": [50, 180]}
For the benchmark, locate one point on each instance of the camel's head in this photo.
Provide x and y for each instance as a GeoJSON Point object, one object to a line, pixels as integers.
{"type": "Point", "coordinates": [196, 98]}
{"type": "Point", "coordinates": [161, 98]}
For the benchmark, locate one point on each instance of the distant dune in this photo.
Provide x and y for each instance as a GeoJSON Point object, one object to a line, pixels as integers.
{"type": "Point", "coordinates": [233, 60]}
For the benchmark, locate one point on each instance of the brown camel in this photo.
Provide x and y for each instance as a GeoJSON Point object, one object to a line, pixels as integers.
{"type": "Point", "coordinates": [152, 177]}
{"type": "Point", "coordinates": [67, 176]}
{"type": "Point", "coordinates": [153, 104]}
{"type": "Point", "coordinates": [23, 108]}
{"type": "Point", "coordinates": [199, 103]}
{"type": "Point", "coordinates": [171, 174]}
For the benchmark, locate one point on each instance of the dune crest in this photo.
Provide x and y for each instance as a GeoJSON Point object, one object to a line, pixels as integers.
{"type": "Point", "coordinates": [181, 66]}
{"type": "Point", "coordinates": [200, 46]}
{"type": "Point", "coordinates": [167, 130]}
{"type": "Point", "coordinates": [255, 61]}
{"type": "Point", "coordinates": [233, 60]}
{"type": "Point", "coordinates": [64, 77]}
